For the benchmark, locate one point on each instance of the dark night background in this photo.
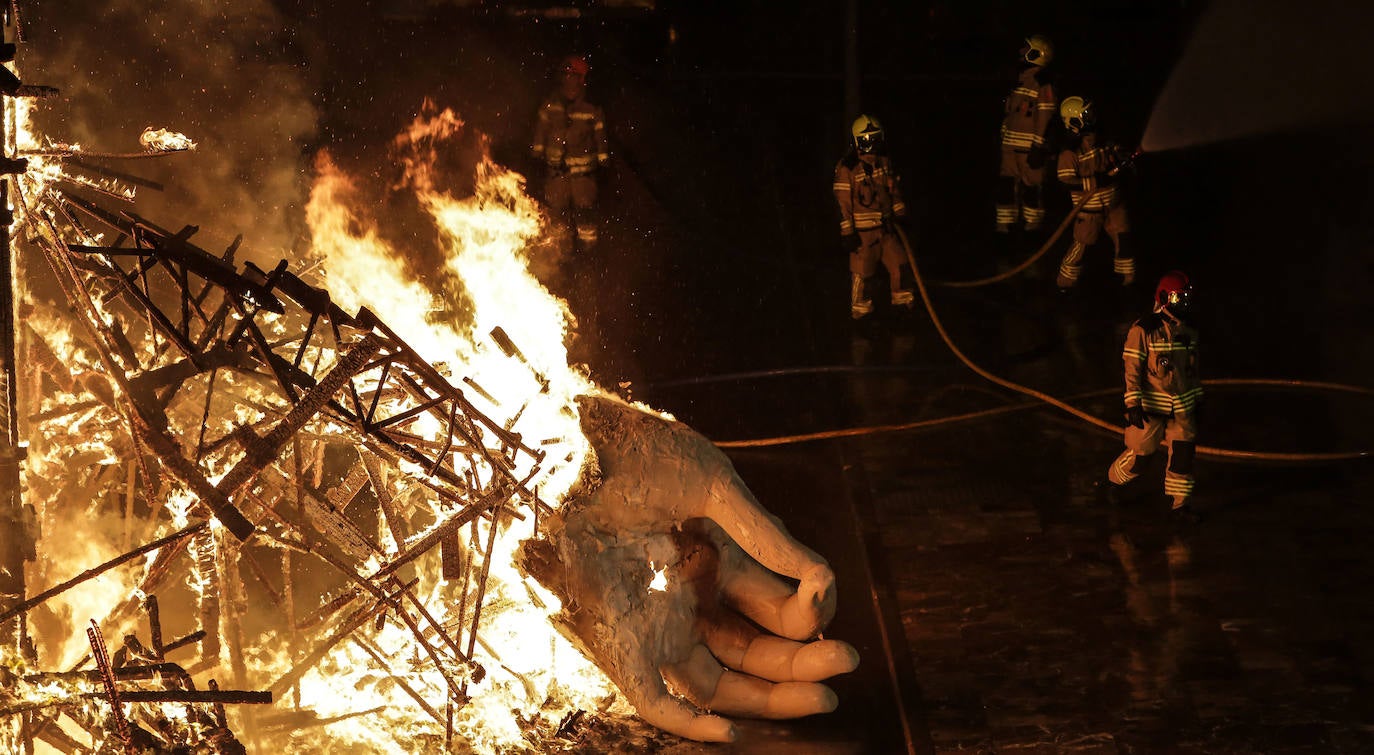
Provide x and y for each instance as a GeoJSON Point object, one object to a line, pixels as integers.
{"type": "Point", "coordinates": [720, 255]}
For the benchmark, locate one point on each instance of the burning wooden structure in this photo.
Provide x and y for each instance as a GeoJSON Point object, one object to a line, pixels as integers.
{"type": "Point", "coordinates": [256, 429]}
{"type": "Point", "coordinates": [252, 394]}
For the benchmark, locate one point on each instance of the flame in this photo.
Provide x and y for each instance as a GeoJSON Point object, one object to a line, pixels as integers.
{"type": "Point", "coordinates": [450, 314]}
{"type": "Point", "coordinates": [534, 673]}
{"type": "Point", "coordinates": [162, 140]}
{"type": "Point", "coordinates": [660, 581]}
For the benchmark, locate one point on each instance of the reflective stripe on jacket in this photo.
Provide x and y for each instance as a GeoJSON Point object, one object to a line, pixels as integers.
{"type": "Point", "coordinates": [867, 194]}
{"type": "Point", "coordinates": [570, 136]}
{"type": "Point", "coordinates": [1161, 360]}
{"type": "Point", "coordinates": [1087, 167]}
{"type": "Point", "coordinates": [1029, 109]}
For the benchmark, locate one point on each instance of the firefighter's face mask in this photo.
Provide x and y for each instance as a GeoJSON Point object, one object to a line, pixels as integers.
{"type": "Point", "coordinates": [1179, 303]}
{"type": "Point", "coordinates": [1084, 121]}
{"type": "Point", "coordinates": [869, 143]}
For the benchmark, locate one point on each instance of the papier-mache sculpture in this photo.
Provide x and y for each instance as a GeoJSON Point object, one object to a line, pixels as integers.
{"type": "Point", "coordinates": [733, 631]}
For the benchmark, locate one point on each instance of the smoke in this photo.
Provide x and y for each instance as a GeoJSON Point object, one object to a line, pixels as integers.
{"type": "Point", "coordinates": [232, 75]}
{"type": "Point", "coordinates": [1256, 67]}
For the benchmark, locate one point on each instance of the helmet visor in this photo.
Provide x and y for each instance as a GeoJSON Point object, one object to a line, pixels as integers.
{"type": "Point", "coordinates": [869, 142]}
{"type": "Point", "coordinates": [1178, 302]}
{"type": "Point", "coordinates": [1082, 121]}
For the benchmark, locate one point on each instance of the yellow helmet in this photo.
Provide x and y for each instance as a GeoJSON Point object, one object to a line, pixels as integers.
{"type": "Point", "coordinates": [1038, 51]}
{"type": "Point", "coordinates": [867, 132]}
{"type": "Point", "coordinates": [1077, 114]}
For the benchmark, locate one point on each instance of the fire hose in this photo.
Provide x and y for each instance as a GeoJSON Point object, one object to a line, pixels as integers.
{"type": "Point", "coordinates": [1044, 398]}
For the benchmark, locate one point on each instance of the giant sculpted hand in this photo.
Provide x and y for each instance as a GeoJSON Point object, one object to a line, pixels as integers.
{"type": "Point", "coordinates": [666, 499]}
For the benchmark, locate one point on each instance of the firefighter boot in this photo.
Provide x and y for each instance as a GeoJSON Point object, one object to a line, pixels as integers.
{"type": "Point", "coordinates": [859, 303]}
{"type": "Point", "coordinates": [903, 297]}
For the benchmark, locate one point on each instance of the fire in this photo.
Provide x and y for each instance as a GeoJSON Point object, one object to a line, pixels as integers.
{"type": "Point", "coordinates": [533, 670]}
{"type": "Point", "coordinates": [659, 583]}
{"type": "Point", "coordinates": [501, 338]}
{"type": "Point", "coordinates": [162, 140]}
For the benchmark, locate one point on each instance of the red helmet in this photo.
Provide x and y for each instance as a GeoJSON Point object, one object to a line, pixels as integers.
{"type": "Point", "coordinates": [1174, 292]}
{"type": "Point", "coordinates": [576, 64]}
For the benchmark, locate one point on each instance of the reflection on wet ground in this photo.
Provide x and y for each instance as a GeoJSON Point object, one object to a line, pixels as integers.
{"type": "Point", "coordinates": [1043, 617]}
{"type": "Point", "coordinates": [1031, 612]}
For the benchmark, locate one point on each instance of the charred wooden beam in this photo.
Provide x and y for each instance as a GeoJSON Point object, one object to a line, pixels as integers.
{"type": "Point", "coordinates": [96, 571]}
{"type": "Point", "coordinates": [262, 453]}
{"type": "Point", "coordinates": [176, 247]}
{"type": "Point", "coordinates": [111, 692]}
{"type": "Point", "coordinates": [348, 626]}
{"type": "Point", "coordinates": [115, 174]}
{"type": "Point", "coordinates": [385, 668]}
{"type": "Point", "coordinates": [204, 696]}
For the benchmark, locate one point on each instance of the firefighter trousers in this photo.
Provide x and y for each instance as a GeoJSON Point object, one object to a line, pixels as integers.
{"type": "Point", "coordinates": [1087, 229]}
{"type": "Point", "coordinates": [1019, 192]}
{"type": "Point", "coordinates": [881, 244]}
{"type": "Point", "coordinates": [1179, 432]}
{"type": "Point", "coordinates": [573, 198]}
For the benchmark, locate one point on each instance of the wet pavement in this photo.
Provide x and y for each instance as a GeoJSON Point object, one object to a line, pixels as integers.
{"type": "Point", "coordinates": [1028, 612]}
{"type": "Point", "coordinates": [1033, 614]}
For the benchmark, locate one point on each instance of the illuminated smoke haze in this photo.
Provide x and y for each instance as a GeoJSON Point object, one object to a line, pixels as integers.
{"type": "Point", "coordinates": [230, 74]}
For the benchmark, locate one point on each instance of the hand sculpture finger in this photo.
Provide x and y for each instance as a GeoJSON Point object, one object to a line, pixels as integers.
{"type": "Point", "coordinates": [678, 717]}
{"type": "Point", "coordinates": [740, 646]}
{"type": "Point", "coordinates": [760, 534]}
{"type": "Point", "coordinates": [799, 613]}
{"type": "Point", "coordinates": [705, 682]}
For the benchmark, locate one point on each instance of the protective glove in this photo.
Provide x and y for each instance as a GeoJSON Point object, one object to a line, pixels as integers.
{"type": "Point", "coordinates": [1035, 158]}
{"type": "Point", "coordinates": [850, 243]}
{"type": "Point", "coordinates": [1135, 416]}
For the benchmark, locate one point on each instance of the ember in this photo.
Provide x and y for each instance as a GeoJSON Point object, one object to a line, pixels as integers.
{"type": "Point", "coordinates": [162, 140]}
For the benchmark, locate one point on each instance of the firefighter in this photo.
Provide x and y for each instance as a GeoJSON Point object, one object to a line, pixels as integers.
{"type": "Point", "coordinates": [570, 139]}
{"type": "Point", "coordinates": [1090, 164]}
{"type": "Point", "coordinates": [1028, 113]}
{"type": "Point", "coordinates": [870, 200]}
{"type": "Point", "coordinates": [1163, 391]}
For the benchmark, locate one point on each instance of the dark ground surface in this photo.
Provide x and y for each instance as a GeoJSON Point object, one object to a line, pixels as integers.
{"type": "Point", "coordinates": [1024, 612]}
{"type": "Point", "coordinates": [1001, 605]}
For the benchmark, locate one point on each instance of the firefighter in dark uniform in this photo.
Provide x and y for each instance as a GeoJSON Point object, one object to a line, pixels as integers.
{"type": "Point", "coordinates": [570, 139]}
{"type": "Point", "coordinates": [1163, 391]}
{"type": "Point", "coordinates": [870, 199]}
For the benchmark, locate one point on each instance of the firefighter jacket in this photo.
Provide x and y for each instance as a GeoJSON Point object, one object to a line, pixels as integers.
{"type": "Point", "coordinates": [1029, 109]}
{"type": "Point", "coordinates": [867, 194]}
{"type": "Point", "coordinates": [570, 137]}
{"type": "Point", "coordinates": [1088, 167]}
{"type": "Point", "coordinates": [1161, 359]}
